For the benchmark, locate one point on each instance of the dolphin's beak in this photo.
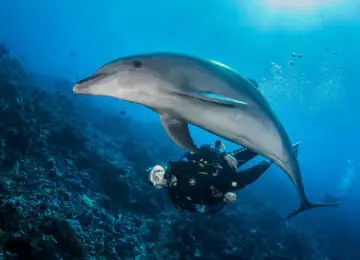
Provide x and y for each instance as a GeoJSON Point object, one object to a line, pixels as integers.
{"type": "Point", "coordinates": [83, 86]}
{"type": "Point", "coordinates": [82, 89]}
{"type": "Point", "coordinates": [76, 89]}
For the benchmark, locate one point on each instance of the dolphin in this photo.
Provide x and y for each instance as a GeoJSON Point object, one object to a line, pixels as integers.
{"type": "Point", "coordinates": [185, 89]}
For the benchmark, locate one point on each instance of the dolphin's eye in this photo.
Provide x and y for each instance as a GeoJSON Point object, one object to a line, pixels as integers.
{"type": "Point", "coordinates": [137, 63]}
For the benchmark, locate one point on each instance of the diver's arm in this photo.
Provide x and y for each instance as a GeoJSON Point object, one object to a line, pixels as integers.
{"type": "Point", "coordinates": [243, 155]}
{"type": "Point", "coordinates": [178, 203]}
{"type": "Point", "coordinates": [248, 176]}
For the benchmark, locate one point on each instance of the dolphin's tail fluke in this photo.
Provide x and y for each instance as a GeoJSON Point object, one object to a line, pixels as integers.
{"type": "Point", "coordinates": [308, 205]}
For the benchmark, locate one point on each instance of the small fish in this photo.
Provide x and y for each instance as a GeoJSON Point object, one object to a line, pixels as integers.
{"type": "Point", "coordinates": [300, 55]}
{"type": "Point", "coordinates": [122, 112]}
{"type": "Point", "coordinates": [293, 54]}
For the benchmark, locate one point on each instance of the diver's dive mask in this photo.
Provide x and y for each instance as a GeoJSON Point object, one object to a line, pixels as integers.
{"type": "Point", "coordinates": [156, 176]}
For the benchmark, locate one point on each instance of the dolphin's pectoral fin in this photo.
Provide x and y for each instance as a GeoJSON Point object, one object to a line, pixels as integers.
{"type": "Point", "coordinates": [214, 98]}
{"type": "Point", "coordinates": [178, 131]}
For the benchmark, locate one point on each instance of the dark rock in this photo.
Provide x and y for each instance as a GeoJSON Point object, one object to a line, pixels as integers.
{"type": "Point", "coordinates": [68, 233]}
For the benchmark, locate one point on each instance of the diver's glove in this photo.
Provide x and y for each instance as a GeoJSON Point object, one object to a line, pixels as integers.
{"type": "Point", "coordinates": [230, 197]}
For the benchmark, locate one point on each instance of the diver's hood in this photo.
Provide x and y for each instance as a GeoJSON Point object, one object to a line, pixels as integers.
{"type": "Point", "coordinates": [156, 176]}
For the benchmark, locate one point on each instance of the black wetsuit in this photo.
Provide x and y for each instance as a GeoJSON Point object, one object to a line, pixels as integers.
{"type": "Point", "coordinates": [204, 178]}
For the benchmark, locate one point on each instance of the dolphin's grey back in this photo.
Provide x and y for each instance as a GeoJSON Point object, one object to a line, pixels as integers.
{"type": "Point", "coordinates": [166, 62]}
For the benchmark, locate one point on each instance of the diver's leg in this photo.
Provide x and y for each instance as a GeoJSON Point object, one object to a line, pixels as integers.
{"type": "Point", "coordinates": [243, 178]}
{"type": "Point", "coordinates": [243, 155]}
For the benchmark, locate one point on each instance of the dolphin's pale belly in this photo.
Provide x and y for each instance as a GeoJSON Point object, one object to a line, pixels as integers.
{"type": "Point", "coordinates": [257, 133]}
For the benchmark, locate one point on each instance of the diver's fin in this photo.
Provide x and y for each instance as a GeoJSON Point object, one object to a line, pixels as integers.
{"type": "Point", "coordinates": [295, 148]}
{"type": "Point", "coordinates": [214, 98]}
{"type": "Point", "coordinates": [178, 131]}
{"type": "Point", "coordinates": [308, 205]}
{"type": "Point", "coordinates": [254, 82]}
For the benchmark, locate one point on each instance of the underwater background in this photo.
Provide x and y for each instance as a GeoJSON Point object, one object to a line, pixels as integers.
{"type": "Point", "coordinates": [73, 180]}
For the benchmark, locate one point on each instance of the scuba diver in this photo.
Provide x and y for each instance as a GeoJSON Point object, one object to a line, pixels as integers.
{"type": "Point", "coordinates": [340, 192]}
{"type": "Point", "coordinates": [205, 181]}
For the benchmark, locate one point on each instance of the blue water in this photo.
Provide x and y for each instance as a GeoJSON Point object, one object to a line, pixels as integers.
{"type": "Point", "coordinates": [317, 99]}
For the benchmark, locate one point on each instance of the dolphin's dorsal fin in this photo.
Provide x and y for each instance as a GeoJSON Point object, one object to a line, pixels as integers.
{"type": "Point", "coordinates": [253, 82]}
{"type": "Point", "coordinates": [178, 130]}
{"type": "Point", "coordinates": [214, 98]}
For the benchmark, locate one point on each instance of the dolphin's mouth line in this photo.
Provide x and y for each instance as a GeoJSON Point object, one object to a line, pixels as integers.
{"type": "Point", "coordinates": [90, 79]}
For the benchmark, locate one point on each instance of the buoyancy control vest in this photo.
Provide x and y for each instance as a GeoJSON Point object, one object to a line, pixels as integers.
{"type": "Point", "coordinates": [197, 178]}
